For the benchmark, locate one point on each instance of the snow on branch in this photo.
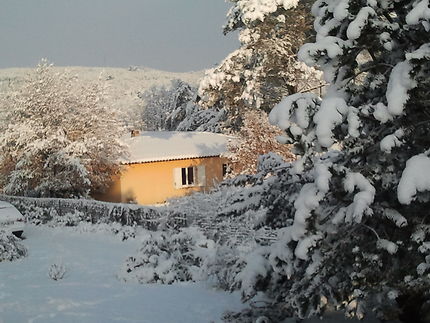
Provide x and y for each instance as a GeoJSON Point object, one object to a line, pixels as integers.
{"type": "Point", "coordinates": [257, 10]}
{"type": "Point", "coordinates": [398, 86]}
{"type": "Point", "coordinates": [361, 202]}
{"type": "Point", "coordinates": [391, 141]}
{"type": "Point", "coordinates": [256, 266]}
{"type": "Point", "coordinates": [308, 200]}
{"type": "Point", "coordinates": [421, 11]}
{"type": "Point", "coordinates": [415, 178]}
{"type": "Point", "coordinates": [356, 27]}
{"type": "Point", "coordinates": [330, 47]}
{"type": "Point", "coordinates": [398, 219]}
{"type": "Point", "coordinates": [333, 112]}
{"type": "Point", "coordinates": [294, 112]}
{"type": "Point", "coordinates": [387, 245]}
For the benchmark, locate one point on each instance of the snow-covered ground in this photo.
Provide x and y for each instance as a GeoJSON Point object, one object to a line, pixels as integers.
{"type": "Point", "coordinates": [90, 291]}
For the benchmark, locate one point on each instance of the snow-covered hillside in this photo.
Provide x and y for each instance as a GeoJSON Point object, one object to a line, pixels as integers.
{"type": "Point", "coordinates": [123, 83]}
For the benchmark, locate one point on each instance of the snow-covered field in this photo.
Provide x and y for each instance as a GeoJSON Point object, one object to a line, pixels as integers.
{"type": "Point", "coordinates": [90, 291]}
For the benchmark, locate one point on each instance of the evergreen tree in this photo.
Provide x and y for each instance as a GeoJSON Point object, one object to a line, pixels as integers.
{"type": "Point", "coordinates": [265, 67]}
{"type": "Point", "coordinates": [356, 235]}
{"type": "Point", "coordinates": [176, 108]}
{"type": "Point", "coordinates": [156, 108]}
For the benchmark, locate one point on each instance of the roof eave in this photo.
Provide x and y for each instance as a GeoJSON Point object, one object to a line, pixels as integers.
{"type": "Point", "coordinates": [165, 159]}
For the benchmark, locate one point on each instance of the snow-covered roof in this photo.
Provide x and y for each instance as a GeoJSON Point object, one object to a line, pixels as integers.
{"type": "Point", "coordinates": [151, 146]}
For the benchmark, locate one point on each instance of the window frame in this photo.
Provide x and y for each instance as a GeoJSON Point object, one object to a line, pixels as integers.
{"type": "Point", "coordinates": [188, 176]}
{"type": "Point", "coordinates": [191, 176]}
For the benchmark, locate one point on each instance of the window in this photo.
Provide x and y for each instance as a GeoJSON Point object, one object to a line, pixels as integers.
{"type": "Point", "coordinates": [189, 176]}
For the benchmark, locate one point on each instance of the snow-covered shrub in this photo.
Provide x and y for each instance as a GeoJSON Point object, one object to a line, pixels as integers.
{"type": "Point", "coordinates": [61, 139]}
{"type": "Point", "coordinates": [228, 213]}
{"type": "Point", "coordinates": [168, 257]}
{"type": "Point", "coordinates": [253, 314]}
{"type": "Point", "coordinates": [227, 262]}
{"type": "Point", "coordinates": [57, 271]}
{"type": "Point", "coordinates": [10, 248]}
{"type": "Point", "coordinates": [36, 214]}
{"type": "Point", "coordinates": [239, 215]}
{"type": "Point", "coordinates": [70, 219]}
{"type": "Point", "coordinates": [71, 212]}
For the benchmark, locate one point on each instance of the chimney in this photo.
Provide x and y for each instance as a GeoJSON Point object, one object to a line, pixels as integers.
{"type": "Point", "coordinates": [135, 133]}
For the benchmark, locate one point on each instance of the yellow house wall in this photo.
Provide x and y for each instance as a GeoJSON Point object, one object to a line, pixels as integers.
{"type": "Point", "coordinates": [153, 183]}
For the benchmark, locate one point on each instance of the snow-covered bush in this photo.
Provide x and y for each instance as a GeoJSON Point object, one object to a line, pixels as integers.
{"type": "Point", "coordinates": [352, 230]}
{"type": "Point", "coordinates": [57, 271]}
{"type": "Point", "coordinates": [72, 212]}
{"type": "Point", "coordinates": [240, 215]}
{"type": "Point", "coordinates": [69, 219]}
{"type": "Point", "coordinates": [168, 257]}
{"type": "Point", "coordinates": [61, 139]}
{"type": "Point", "coordinates": [237, 209]}
{"type": "Point", "coordinates": [10, 248]}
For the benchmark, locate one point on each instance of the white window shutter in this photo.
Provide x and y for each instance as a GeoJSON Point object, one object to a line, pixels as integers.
{"type": "Point", "coordinates": [177, 177]}
{"type": "Point", "coordinates": [201, 175]}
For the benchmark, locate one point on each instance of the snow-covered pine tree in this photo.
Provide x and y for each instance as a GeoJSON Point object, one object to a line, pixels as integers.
{"type": "Point", "coordinates": [181, 94]}
{"type": "Point", "coordinates": [175, 108]}
{"type": "Point", "coordinates": [61, 140]}
{"type": "Point", "coordinates": [265, 67]}
{"type": "Point", "coordinates": [198, 119]}
{"type": "Point", "coordinates": [188, 115]}
{"type": "Point", "coordinates": [359, 233]}
{"type": "Point", "coordinates": [156, 108]}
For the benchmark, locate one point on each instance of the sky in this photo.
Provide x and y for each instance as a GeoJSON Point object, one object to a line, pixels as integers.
{"type": "Point", "coordinates": [170, 35]}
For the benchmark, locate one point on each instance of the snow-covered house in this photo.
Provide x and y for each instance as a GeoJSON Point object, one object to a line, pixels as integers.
{"type": "Point", "coordinates": [167, 164]}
